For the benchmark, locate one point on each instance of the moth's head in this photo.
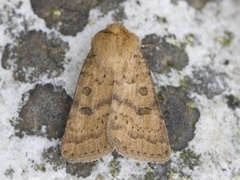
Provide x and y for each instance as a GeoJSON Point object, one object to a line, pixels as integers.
{"type": "Point", "coordinates": [115, 40]}
{"type": "Point", "coordinates": [117, 29]}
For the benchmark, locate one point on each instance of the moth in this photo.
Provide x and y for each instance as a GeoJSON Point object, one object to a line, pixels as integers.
{"type": "Point", "coordinates": [115, 104]}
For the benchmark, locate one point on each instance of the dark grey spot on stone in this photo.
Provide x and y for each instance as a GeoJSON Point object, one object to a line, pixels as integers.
{"type": "Point", "coordinates": [207, 81]}
{"type": "Point", "coordinates": [115, 6]}
{"type": "Point", "coordinates": [116, 155]}
{"type": "Point", "coordinates": [80, 169]}
{"type": "Point", "coordinates": [190, 158]}
{"type": "Point", "coordinates": [180, 118]}
{"type": "Point", "coordinates": [162, 56]}
{"type": "Point", "coordinates": [53, 156]}
{"type": "Point", "coordinates": [226, 62]}
{"type": "Point", "coordinates": [47, 107]}
{"type": "Point", "coordinates": [143, 111]}
{"type": "Point", "coordinates": [68, 16]}
{"type": "Point", "coordinates": [86, 111]}
{"type": "Point", "coordinates": [143, 91]}
{"type": "Point", "coordinates": [159, 170]}
{"type": "Point", "coordinates": [86, 91]}
{"type": "Point", "coordinates": [9, 172]}
{"type": "Point", "coordinates": [35, 55]}
{"type": "Point", "coordinates": [233, 102]}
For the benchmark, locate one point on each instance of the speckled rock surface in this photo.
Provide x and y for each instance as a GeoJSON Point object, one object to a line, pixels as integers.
{"type": "Point", "coordinates": [206, 81]}
{"type": "Point", "coordinates": [163, 56]}
{"type": "Point", "coordinates": [70, 17]}
{"type": "Point", "coordinates": [35, 55]}
{"type": "Point", "coordinates": [192, 49]}
{"type": "Point", "coordinates": [45, 113]}
{"type": "Point", "coordinates": [180, 116]}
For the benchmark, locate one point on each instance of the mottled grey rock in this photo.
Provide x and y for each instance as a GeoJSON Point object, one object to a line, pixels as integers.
{"type": "Point", "coordinates": [115, 168]}
{"type": "Point", "coordinates": [180, 116]}
{"type": "Point", "coordinates": [80, 169]}
{"type": "Point", "coordinates": [190, 159]}
{"type": "Point", "coordinates": [162, 56]}
{"type": "Point", "coordinates": [233, 102]}
{"type": "Point", "coordinates": [68, 16]}
{"type": "Point", "coordinates": [9, 173]}
{"type": "Point", "coordinates": [197, 4]}
{"type": "Point", "coordinates": [206, 81]}
{"type": "Point", "coordinates": [160, 170]}
{"type": "Point", "coordinates": [45, 113]}
{"type": "Point", "coordinates": [107, 5]}
{"type": "Point", "coordinates": [34, 56]}
{"type": "Point", "coordinates": [53, 156]}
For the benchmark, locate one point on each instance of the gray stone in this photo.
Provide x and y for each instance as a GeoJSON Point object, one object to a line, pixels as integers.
{"type": "Point", "coordinates": [180, 117]}
{"type": "Point", "coordinates": [48, 108]}
{"type": "Point", "coordinates": [35, 55]}
{"type": "Point", "coordinates": [162, 56]}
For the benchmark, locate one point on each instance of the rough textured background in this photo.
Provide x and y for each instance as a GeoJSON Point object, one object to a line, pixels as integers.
{"type": "Point", "coordinates": [192, 48]}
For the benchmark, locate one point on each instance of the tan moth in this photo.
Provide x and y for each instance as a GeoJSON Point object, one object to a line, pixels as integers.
{"type": "Point", "coordinates": [115, 104]}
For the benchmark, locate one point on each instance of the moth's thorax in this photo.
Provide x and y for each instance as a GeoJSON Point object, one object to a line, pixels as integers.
{"type": "Point", "coordinates": [115, 45]}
